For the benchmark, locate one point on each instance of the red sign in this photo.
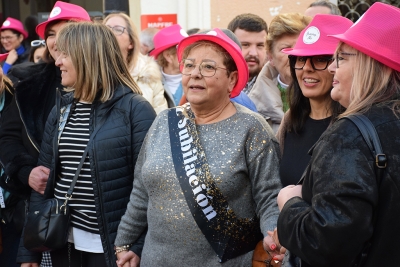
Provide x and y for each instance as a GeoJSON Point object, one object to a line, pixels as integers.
{"type": "Point", "coordinates": [158, 21]}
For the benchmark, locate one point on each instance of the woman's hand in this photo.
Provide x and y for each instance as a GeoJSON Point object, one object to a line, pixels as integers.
{"type": "Point", "coordinates": [29, 264]}
{"type": "Point", "coordinates": [272, 245]}
{"type": "Point", "coordinates": [38, 179]}
{"type": "Point", "coordinates": [279, 250]}
{"type": "Point", "coordinates": [127, 259]}
{"type": "Point", "coordinates": [287, 193]}
{"type": "Point", "coordinates": [12, 57]}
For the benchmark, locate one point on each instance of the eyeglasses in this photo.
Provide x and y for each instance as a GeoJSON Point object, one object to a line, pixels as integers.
{"type": "Point", "coordinates": [339, 58]}
{"type": "Point", "coordinates": [317, 62]}
{"type": "Point", "coordinates": [38, 43]}
{"type": "Point", "coordinates": [7, 38]}
{"type": "Point", "coordinates": [207, 68]}
{"type": "Point", "coordinates": [118, 30]}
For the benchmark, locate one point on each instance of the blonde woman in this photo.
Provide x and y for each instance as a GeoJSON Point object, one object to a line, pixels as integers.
{"type": "Point", "coordinates": [269, 90]}
{"type": "Point", "coordinates": [101, 96]}
{"type": "Point", "coordinates": [143, 69]}
{"type": "Point", "coordinates": [345, 213]}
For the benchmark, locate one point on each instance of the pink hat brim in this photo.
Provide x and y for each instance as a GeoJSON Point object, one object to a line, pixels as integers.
{"type": "Point", "coordinates": [235, 52]}
{"type": "Point", "coordinates": [377, 55]}
{"type": "Point", "coordinates": [156, 51]}
{"type": "Point", "coordinates": [3, 56]}
{"type": "Point", "coordinates": [307, 52]}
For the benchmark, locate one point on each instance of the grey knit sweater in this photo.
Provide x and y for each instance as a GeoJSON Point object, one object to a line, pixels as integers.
{"type": "Point", "coordinates": [243, 156]}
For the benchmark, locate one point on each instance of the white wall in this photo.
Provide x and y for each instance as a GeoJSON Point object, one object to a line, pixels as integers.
{"type": "Point", "coordinates": [190, 13]}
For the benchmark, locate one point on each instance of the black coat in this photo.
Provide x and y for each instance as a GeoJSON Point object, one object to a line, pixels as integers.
{"type": "Point", "coordinates": [330, 225]}
{"type": "Point", "coordinates": [22, 124]}
{"type": "Point", "coordinates": [113, 154]}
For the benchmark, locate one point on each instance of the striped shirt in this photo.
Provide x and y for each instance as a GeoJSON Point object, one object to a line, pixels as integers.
{"type": "Point", "coordinates": [72, 144]}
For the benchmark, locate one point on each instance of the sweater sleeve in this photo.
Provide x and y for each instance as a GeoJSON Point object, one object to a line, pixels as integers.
{"type": "Point", "coordinates": [263, 161]}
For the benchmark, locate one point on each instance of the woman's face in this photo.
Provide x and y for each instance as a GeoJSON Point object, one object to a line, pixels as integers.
{"type": "Point", "coordinates": [314, 84]}
{"type": "Point", "coordinates": [51, 39]}
{"type": "Point", "coordinates": [123, 38]}
{"type": "Point", "coordinates": [280, 60]}
{"type": "Point", "coordinates": [10, 40]}
{"type": "Point", "coordinates": [343, 75]}
{"type": "Point", "coordinates": [68, 71]}
{"type": "Point", "coordinates": [207, 93]}
{"type": "Point", "coordinates": [37, 55]}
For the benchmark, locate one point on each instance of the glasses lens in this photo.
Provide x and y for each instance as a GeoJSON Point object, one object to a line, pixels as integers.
{"type": "Point", "coordinates": [208, 69]}
{"type": "Point", "coordinates": [187, 66]}
{"type": "Point", "coordinates": [321, 62]}
{"type": "Point", "coordinates": [118, 30]}
{"type": "Point", "coordinates": [300, 62]}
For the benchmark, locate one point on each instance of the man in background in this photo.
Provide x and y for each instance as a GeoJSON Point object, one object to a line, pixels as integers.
{"type": "Point", "coordinates": [322, 7]}
{"type": "Point", "coordinates": [146, 40]}
{"type": "Point", "coordinates": [251, 30]}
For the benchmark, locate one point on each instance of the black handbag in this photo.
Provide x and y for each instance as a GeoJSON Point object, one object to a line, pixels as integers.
{"type": "Point", "coordinates": [47, 222]}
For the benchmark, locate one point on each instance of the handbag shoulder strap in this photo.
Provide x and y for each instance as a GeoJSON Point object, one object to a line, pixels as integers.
{"type": "Point", "coordinates": [78, 170]}
{"type": "Point", "coordinates": [371, 137]}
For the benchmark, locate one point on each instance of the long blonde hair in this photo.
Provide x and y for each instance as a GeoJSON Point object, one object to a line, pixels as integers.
{"type": "Point", "coordinates": [5, 84]}
{"type": "Point", "coordinates": [373, 83]}
{"type": "Point", "coordinates": [133, 54]}
{"type": "Point", "coordinates": [97, 59]}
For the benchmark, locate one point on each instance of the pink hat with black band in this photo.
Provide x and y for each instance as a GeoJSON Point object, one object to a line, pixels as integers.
{"type": "Point", "coordinates": [166, 38]}
{"type": "Point", "coordinates": [3, 56]}
{"type": "Point", "coordinates": [14, 24]}
{"type": "Point", "coordinates": [314, 40]}
{"type": "Point", "coordinates": [63, 11]}
{"type": "Point", "coordinates": [220, 38]}
{"type": "Point", "coordinates": [377, 34]}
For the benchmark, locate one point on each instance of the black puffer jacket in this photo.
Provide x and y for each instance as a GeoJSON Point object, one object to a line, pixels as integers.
{"type": "Point", "coordinates": [113, 154]}
{"type": "Point", "coordinates": [330, 225]}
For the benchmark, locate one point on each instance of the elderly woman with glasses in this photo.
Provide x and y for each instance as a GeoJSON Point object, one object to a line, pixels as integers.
{"type": "Point", "coordinates": [311, 106]}
{"type": "Point", "coordinates": [346, 212]}
{"type": "Point", "coordinates": [208, 169]}
{"type": "Point", "coordinates": [142, 68]}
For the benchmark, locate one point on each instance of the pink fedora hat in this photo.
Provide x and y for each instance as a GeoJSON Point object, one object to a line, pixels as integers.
{"type": "Point", "coordinates": [63, 11]}
{"type": "Point", "coordinates": [314, 40]}
{"type": "Point", "coordinates": [227, 42]}
{"type": "Point", "coordinates": [3, 56]}
{"type": "Point", "coordinates": [14, 24]}
{"type": "Point", "coordinates": [377, 34]}
{"type": "Point", "coordinates": [166, 38]}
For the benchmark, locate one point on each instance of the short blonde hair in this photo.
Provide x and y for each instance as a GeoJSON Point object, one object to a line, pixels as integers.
{"type": "Point", "coordinates": [373, 83]}
{"type": "Point", "coordinates": [99, 64]}
{"type": "Point", "coordinates": [161, 60]}
{"type": "Point", "coordinates": [285, 24]}
{"type": "Point", "coordinates": [132, 31]}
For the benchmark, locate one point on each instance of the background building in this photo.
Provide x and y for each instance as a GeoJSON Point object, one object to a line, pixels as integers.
{"type": "Point", "coordinates": [203, 14]}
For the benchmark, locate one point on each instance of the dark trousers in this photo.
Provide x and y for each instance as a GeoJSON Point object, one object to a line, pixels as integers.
{"type": "Point", "coordinates": [10, 245]}
{"type": "Point", "coordinates": [70, 257]}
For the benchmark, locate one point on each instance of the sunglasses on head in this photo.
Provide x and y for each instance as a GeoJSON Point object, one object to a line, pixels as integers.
{"type": "Point", "coordinates": [38, 43]}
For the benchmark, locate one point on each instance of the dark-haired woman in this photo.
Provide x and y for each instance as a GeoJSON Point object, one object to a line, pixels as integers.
{"type": "Point", "coordinates": [311, 106]}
